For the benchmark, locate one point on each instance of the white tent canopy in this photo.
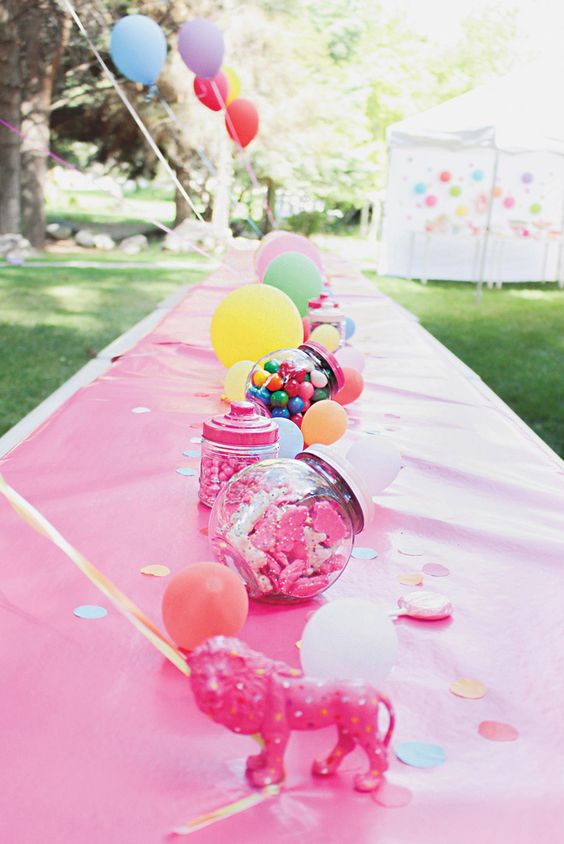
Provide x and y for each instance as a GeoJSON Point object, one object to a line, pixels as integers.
{"type": "Point", "coordinates": [476, 185]}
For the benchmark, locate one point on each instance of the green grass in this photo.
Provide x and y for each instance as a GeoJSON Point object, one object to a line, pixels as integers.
{"type": "Point", "coordinates": [53, 320]}
{"type": "Point", "coordinates": [98, 208]}
{"type": "Point", "coordinates": [514, 340]}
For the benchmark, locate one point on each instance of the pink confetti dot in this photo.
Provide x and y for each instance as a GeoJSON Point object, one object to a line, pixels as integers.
{"type": "Point", "coordinates": [392, 796]}
{"type": "Point", "coordinates": [497, 731]}
{"type": "Point", "coordinates": [436, 570]}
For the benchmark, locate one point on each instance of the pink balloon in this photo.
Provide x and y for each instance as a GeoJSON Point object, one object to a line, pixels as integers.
{"type": "Point", "coordinates": [285, 243]}
{"type": "Point", "coordinates": [349, 356]}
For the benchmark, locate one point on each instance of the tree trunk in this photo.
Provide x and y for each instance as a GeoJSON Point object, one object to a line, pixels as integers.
{"type": "Point", "coordinates": [266, 224]}
{"type": "Point", "coordinates": [9, 111]}
{"type": "Point", "coordinates": [222, 194]}
{"type": "Point", "coordinates": [43, 32]}
{"type": "Point", "coordinates": [182, 209]}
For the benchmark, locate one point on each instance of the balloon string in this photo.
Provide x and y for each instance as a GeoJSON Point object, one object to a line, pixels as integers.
{"type": "Point", "coordinates": [123, 97]}
{"type": "Point", "coordinates": [122, 201]}
{"type": "Point", "coordinates": [255, 182]}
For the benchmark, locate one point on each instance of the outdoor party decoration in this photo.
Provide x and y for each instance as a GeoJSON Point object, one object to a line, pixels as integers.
{"type": "Point", "coordinates": [275, 244]}
{"type": "Point", "coordinates": [249, 693]}
{"type": "Point", "coordinates": [203, 600]}
{"type": "Point", "coordinates": [207, 94]}
{"type": "Point", "coordinates": [291, 439]}
{"type": "Point", "coordinates": [138, 48]}
{"type": "Point", "coordinates": [307, 327]}
{"type": "Point", "coordinates": [353, 387]}
{"type": "Point", "coordinates": [287, 526]}
{"type": "Point", "coordinates": [349, 639]}
{"type": "Point", "coordinates": [201, 47]}
{"type": "Point", "coordinates": [233, 84]}
{"type": "Point", "coordinates": [327, 335]}
{"type": "Point", "coordinates": [324, 423]}
{"type": "Point", "coordinates": [288, 382]}
{"type": "Point", "coordinates": [297, 276]}
{"type": "Point", "coordinates": [236, 378]}
{"type": "Point", "coordinates": [251, 320]}
{"type": "Point", "coordinates": [350, 327]}
{"type": "Point", "coordinates": [232, 442]}
{"type": "Point", "coordinates": [379, 458]}
{"type": "Point", "coordinates": [349, 356]}
{"type": "Point", "coordinates": [242, 121]}
{"type": "Point", "coordinates": [325, 312]}
{"type": "Point", "coordinates": [423, 605]}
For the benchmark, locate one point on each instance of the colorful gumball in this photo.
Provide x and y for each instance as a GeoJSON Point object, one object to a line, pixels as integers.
{"type": "Point", "coordinates": [292, 387]}
{"type": "Point", "coordinates": [354, 385]}
{"type": "Point", "coordinates": [235, 379]}
{"type": "Point", "coordinates": [327, 336]}
{"type": "Point", "coordinates": [319, 395]}
{"type": "Point", "coordinates": [306, 390]}
{"type": "Point", "coordinates": [274, 382]}
{"type": "Point", "coordinates": [325, 422]}
{"type": "Point", "coordinates": [203, 600]}
{"type": "Point", "coordinates": [242, 121]}
{"type": "Point", "coordinates": [279, 398]}
{"type": "Point", "coordinates": [280, 413]}
{"type": "Point", "coordinates": [272, 365]}
{"type": "Point", "coordinates": [206, 93]}
{"type": "Point", "coordinates": [296, 405]}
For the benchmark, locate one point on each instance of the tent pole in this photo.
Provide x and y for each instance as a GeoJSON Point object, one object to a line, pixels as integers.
{"type": "Point", "coordinates": [482, 268]}
{"type": "Point", "coordinates": [560, 247]}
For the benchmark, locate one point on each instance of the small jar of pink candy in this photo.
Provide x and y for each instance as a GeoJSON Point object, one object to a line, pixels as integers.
{"type": "Point", "coordinates": [287, 382]}
{"type": "Point", "coordinates": [326, 311]}
{"type": "Point", "coordinates": [287, 526]}
{"type": "Point", "coordinates": [231, 443]}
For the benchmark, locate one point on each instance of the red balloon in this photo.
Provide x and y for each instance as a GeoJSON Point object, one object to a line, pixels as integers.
{"type": "Point", "coordinates": [206, 94]}
{"type": "Point", "coordinates": [242, 121]}
{"type": "Point", "coordinates": [354, 385]}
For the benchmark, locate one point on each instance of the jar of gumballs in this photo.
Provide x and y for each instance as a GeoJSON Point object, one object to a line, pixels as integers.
{"type": "Point", "coordinates": [287, 526]}
{"type": "Point", "coordinates": [326, 311]}
{"type": "Point", "coordinates": [231, 443]}
{"type": "Point", "coordinates": [288, 381]}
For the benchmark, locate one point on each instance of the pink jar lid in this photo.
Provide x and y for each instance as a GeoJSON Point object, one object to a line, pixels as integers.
{"type": "Point", "coordinates": [242, 425]}
{"type": "Point", "coordinates": [314, 303]}
{"type": "Point", "coordinates": [329, 359]}
{"type": "Point", "coordinates": [349, 474]}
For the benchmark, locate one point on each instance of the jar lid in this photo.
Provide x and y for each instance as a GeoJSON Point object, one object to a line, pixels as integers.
{"type": "Point", "coordinates": [353, 479]}
{"type": "Point", "coordinates": [314, 303]}
{"type": "Point", "coordinates": [242, 425]}
{"type": "Point", "coordinates": [328, 359]}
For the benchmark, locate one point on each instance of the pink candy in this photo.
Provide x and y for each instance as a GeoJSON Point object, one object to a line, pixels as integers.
{"type": "Point", "coordinates": [216, 469]}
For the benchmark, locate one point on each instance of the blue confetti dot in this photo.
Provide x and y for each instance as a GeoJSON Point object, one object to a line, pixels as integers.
{"type": "Point", "coordinates": [186, 471]}
{"type": "Point", "coordinates": [192, 452]}
{"type": "Point", "coordinates": [364, 553]}
{"type": "Point", "coordinates": [420, 754]}
{"type": "Point", "coordinates": [90, 611]}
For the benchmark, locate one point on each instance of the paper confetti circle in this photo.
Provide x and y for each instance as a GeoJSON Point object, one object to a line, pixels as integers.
{"type": "Point", "coordinates": [497, 731]}
{"type": "Point", "coordinates": [420, 754]}
{"type": "Point", "coordinates": [436, 570]}
{"type": "Point", "coordinates": [392, 796]}
{"type": "Point", "coordinates": [192, 452]}
{"type": "Point", "coordinates": [410, 547]}
{"type": "Point", "coordinates": [196, 439]}
{"type": "Point", "coordinates": [364, 553]}
{"type": "Point", "coordinates": [156, 570]}
{"type": "Point", "coordinates": [90, 611]}
{"type": "Point", "coordinates": [410, 578]}
{"type": "Point", "coordinates": [140, 409]}
{"type": "Point", "coordinates": [186, 471]}
{"type": "Point", "coordinates": [468, 687]}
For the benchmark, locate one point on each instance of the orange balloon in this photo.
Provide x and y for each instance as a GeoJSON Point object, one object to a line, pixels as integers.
{"type": "Point", "coordinates": [203, 600]}
{"type": "Point", "coordinates": [325, 422]}
{"type": "Point", "coordinates": [354, 385]}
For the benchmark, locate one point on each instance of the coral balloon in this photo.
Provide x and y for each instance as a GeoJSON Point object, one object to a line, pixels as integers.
{"type": "Point", "coordinates": [236, 378]}
{"type": "Point", "coordinates": [233, 84]}
{"type": "Point", "coordinates": [325, 422]}
{"type": "Point", "coordinates": [354, 385]}
{"type": "Point", "coordinates": [349, 356]}
{"type": "Point", "coordinates": [200, 44]}
{"type": "Point", "coordinates": [379, 460]}
{"type": "Point", "coordinates": [297, 276]}
{"type": "Point", "coordinates": [251, 321]}
{"type": "Point", "coordinates": [327, 336]}
{"type": "Point", "coordinates": [205, 92]}
{"type": "Point", "coordinates": [138, 48]}
{"type": "Point", "coordinates": [242, 121]}
{"type": "Point", "coordinates": [203, 600]}
{"type": "Point", "coordinates": [285, 242]}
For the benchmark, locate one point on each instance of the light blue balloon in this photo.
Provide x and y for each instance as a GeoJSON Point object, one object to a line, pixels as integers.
{"type": "Point", "coordinates": [138, 48]}
{"type": "Point", "coordinates": [291, 439]}
{"type": "Point", "coordinates": [350, 328]}
{"type": "Point", "coordinates": [420, 188]}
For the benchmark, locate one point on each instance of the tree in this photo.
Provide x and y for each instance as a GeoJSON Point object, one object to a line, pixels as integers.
{"type": "Point", "coordinates": [10, 91]}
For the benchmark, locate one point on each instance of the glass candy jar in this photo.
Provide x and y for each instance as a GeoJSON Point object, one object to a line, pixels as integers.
{"type": "Point", "coordinates": [287, 526]}
{"type": "Point", "coordinates": [231, 443]}
{"type": "Point", "coordinates": [325, 311]}
{"type": "Point", "coordinates": [287, 382]}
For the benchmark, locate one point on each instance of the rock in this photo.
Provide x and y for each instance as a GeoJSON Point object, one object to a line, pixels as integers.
{"type": "Point", "coordinates": [59, 231]}
{"type": "Point", "coordinates": [194, 232]}
{"type": "Point", "coordinates": [15, 248]}
{"type": "Point", "coordinates": [134, 244]}
{"type": "Point", "coordinates": [84, 238]}
{"type": "Point", "coordinates": [104, 242]}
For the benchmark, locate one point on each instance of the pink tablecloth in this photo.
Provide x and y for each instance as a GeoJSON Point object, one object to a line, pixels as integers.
{"type": "Point", "coordinates": [100, 740]}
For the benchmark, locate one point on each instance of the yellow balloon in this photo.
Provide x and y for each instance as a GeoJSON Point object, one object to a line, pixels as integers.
{"type": "Point", "coordinates": [252, 321]}
{"type": "Point", "coordinates": [235, 379]}
{"type": "Point", "coordinates": [327, 335]}
{"type": "Point", "coordinates": [233, 82]}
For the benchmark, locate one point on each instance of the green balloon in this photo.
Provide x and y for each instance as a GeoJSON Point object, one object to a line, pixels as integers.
{"type": "Point", "coordinates": [296, 276]}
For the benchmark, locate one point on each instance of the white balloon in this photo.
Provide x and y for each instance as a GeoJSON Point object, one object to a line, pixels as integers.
{"type": "Point", "coordinates": [349, 639]}
{"type": "Point", "coordinates": [291, 439]}
{"type": "Point", "coordinates": [349, 356]}
{"type": "Point", "coordinates": [378, 459]}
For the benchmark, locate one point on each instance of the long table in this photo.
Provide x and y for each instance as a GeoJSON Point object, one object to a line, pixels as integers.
{"type": "Point", "coordinates": [100, 738]}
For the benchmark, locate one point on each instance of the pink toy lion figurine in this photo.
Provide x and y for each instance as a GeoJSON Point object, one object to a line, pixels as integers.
{"type": "Point", "coordinates": [249, 693]}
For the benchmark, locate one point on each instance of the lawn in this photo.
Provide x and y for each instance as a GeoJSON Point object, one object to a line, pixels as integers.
{"type": "Point", "coordinates": [53, 320]}
{"type": "Point", "coordinates": [514, 340]}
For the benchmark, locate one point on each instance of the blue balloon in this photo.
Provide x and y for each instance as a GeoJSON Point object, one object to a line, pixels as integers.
{"type": "Point", "coordinates": [291, 439]}
{"type": "Point", "coordinates": [420, 188]}
{"type": "Point", "coordinates": [350, 328]}
{"type": "Point", "coordinates": [138, 48]}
